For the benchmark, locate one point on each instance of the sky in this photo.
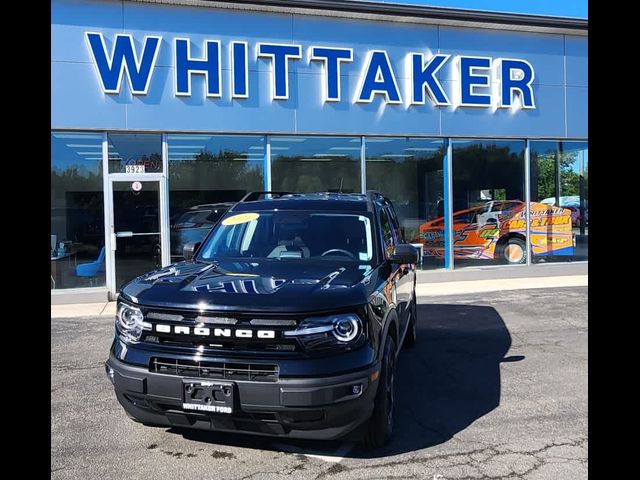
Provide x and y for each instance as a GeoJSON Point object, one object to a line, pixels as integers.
{"type": "Point", "coordinates": [561, 8]}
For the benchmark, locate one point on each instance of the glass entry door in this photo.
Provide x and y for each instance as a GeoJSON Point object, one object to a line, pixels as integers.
{"type": "Point", "coordinates": [136, 238]}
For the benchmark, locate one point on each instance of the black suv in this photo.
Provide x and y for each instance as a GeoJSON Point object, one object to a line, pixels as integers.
{"type": "Point", "coordinates": [286, 320]}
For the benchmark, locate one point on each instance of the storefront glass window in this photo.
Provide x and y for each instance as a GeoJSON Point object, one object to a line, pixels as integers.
{"type": "Point", "coordinates": [559, 187]}
{"type": "Point", "coordinates": [315, 164]}
{"type": "Point", "coordinates": [409, 172]}
{"type": "Point", "coordinates": [206, 173]}
{"type": "Point", "coordinates": [488, 202]}
{"type": "Point", "coordinates": [135, 153]}
{"type": "Point", "coordinates": [77, 211]}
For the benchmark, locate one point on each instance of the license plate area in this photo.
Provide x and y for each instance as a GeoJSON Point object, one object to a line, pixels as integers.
{"type": "Point", "coordinates": [212, 397]}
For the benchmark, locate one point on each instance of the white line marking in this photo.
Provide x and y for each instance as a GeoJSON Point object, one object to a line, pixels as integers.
{"type": "Point", "coordinates": [332, 457]}
{"type": "Point", "coordinates": [335, 457]}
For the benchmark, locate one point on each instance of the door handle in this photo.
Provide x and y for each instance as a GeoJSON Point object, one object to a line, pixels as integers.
{"type": "Point", "coordinates": [124, 234]}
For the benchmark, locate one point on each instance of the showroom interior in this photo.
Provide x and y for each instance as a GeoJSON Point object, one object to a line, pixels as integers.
{"type": "Point", "coordinates": [135, 176]}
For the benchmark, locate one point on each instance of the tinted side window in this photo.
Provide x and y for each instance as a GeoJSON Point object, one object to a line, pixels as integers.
{"type": "Point", "coordinates": [396, 225]}
{"type": "Point", "coordinates": [387, 233]}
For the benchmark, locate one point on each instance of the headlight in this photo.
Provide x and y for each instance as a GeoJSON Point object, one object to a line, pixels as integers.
{"type": "Point", "coordinates": [340, 331]}
{"type": "Point", "coordinates": [129, 322]}
{"type": "Point", "coordinates": [346, 328]}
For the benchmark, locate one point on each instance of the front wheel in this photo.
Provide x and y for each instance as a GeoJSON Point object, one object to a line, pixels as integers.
{"type": "Point", "coordinates": [381, 422]}
{"type": "Point", "coordinates": [514, 251]}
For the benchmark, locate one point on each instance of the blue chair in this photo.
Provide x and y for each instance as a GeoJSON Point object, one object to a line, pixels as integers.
{"type": "Point", "coordinates": [90, 270]}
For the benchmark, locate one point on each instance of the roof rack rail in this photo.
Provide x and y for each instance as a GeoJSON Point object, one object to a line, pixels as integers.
{"type": "Point", "coordinates": [253, 196]}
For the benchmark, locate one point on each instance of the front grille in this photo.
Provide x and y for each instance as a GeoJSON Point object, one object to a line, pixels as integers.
{"type": "Point", "coordinates": [254, 372]}
{"type": "Point", "coordinates": [226, 322]}
{"type": "Point", "coordinates": [291, 345]}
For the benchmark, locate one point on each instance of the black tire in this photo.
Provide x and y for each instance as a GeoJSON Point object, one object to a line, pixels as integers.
{"type": "Point", "coordinates": [412, 330]}
{"type": "Point", "coordinates": [514, 251]}
{"type": "Point", "coordinates": [380, 424]}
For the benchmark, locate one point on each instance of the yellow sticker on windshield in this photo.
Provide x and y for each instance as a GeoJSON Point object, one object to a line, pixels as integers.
{"type": "Point", "coordinates": [240, 218]}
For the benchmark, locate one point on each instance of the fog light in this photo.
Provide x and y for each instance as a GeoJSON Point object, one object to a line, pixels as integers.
{"type": "Point", "coordinates": [110, 374]}
{"type": "Point", "coordinates": [356, 389]}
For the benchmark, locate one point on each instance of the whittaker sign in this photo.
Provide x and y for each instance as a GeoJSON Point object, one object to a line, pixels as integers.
{"type": "Point", "coordinates": [484, 82]}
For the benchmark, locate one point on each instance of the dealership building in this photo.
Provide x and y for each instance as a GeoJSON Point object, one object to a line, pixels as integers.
{"type": "Point", "coordinates": [461, 118]}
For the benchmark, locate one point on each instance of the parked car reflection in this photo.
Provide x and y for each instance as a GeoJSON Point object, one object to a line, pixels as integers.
{"type": "Point", "coordinates": [192, 226]}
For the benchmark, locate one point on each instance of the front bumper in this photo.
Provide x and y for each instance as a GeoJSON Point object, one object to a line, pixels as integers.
{"type": "Point", "coordinates": [317, 408]}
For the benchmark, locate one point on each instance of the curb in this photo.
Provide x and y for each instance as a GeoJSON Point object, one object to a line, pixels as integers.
{"type": "Point", "coordinates": [483, 286]}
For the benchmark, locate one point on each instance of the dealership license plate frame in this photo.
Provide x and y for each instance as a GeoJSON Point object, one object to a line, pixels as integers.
{"type": "Point", "coordinates": [200, 396]}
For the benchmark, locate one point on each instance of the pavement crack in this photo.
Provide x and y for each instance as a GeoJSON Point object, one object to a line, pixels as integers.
{"type": "Point", "coordinates": [431, 458]}
{"type": "Point", "coordinates": [576, 443]}
{"type": "Point", "coordinates": [332, 470]}
{"type": "Point", "coordinates": [73, 368]}
{"type": "Point", "coordinates": [60, 468]}
{"type": "Point", "coordinates": [222, 455]}
{"type": "Point", "coordinates": [465, 458]}
{"type": "Point", "coordinates": [251, 475]}
{"type": "Point", "coordinates": [394, 477]}
{"type": "Point", "coordinates": [301, 465]}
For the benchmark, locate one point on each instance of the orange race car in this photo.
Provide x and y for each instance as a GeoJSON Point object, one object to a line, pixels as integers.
{"type": "Point", "coordinates": [497, 230]}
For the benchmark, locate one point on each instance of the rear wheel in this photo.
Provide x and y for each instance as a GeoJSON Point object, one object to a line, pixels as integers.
{"type": "Point", "coordinates": [514, 251]}
{"type": "Point", "coordinates": [381, 422]}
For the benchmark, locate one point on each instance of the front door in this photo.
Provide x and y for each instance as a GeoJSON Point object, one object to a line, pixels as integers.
{"type": "Point", "coordinates": [136, 239]}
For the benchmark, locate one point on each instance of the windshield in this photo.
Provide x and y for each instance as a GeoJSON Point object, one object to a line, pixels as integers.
{"type": "Point", "coordinates": [290, 235]}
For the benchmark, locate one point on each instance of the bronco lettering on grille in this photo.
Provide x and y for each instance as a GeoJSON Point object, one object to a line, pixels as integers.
{"type": "Point", "coordinates": [217, 332]}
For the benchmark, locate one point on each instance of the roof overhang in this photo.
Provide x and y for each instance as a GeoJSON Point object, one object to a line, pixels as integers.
{"type": "Point", "coordinates": [399, 13]}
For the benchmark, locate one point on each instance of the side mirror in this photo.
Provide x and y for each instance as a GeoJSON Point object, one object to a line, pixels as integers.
{"type": "Point", "coordinates": [190, 249]}
{"type": "Point", "coordinates": [405, 253]}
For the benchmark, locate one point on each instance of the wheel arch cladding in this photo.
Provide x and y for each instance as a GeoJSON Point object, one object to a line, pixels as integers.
{"type": "Point", "coordinates": [390, 330]}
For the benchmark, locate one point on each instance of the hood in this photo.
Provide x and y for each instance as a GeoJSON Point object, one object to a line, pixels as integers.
{"type": "Point", "coordinates": [265, 285]}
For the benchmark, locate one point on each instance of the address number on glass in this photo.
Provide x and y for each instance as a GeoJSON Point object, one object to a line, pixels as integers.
{"type": "Point", "coordinates": [134, 169]}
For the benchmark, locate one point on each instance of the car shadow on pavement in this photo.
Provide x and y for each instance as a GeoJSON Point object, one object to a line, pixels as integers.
{"type": "Point", "coordinates": [444, 383]}
{"type": "Point", "coordinates": [449, 379]}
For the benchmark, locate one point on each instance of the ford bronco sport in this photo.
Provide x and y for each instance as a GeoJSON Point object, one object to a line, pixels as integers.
{"type": "Point", "coordinates": [285, 320]}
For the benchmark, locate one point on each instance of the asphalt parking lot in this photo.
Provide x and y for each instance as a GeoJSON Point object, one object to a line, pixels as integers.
{"type": "Point", "coordinates": [495, 388]}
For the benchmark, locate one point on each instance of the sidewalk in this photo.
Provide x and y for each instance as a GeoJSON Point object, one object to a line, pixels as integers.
{"type": "Point", "coordinates": [107, 309]}
{"type": "Point", "coordinates": [430, 284]}
{"type": "Point", "coordinates": [503, 272]}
